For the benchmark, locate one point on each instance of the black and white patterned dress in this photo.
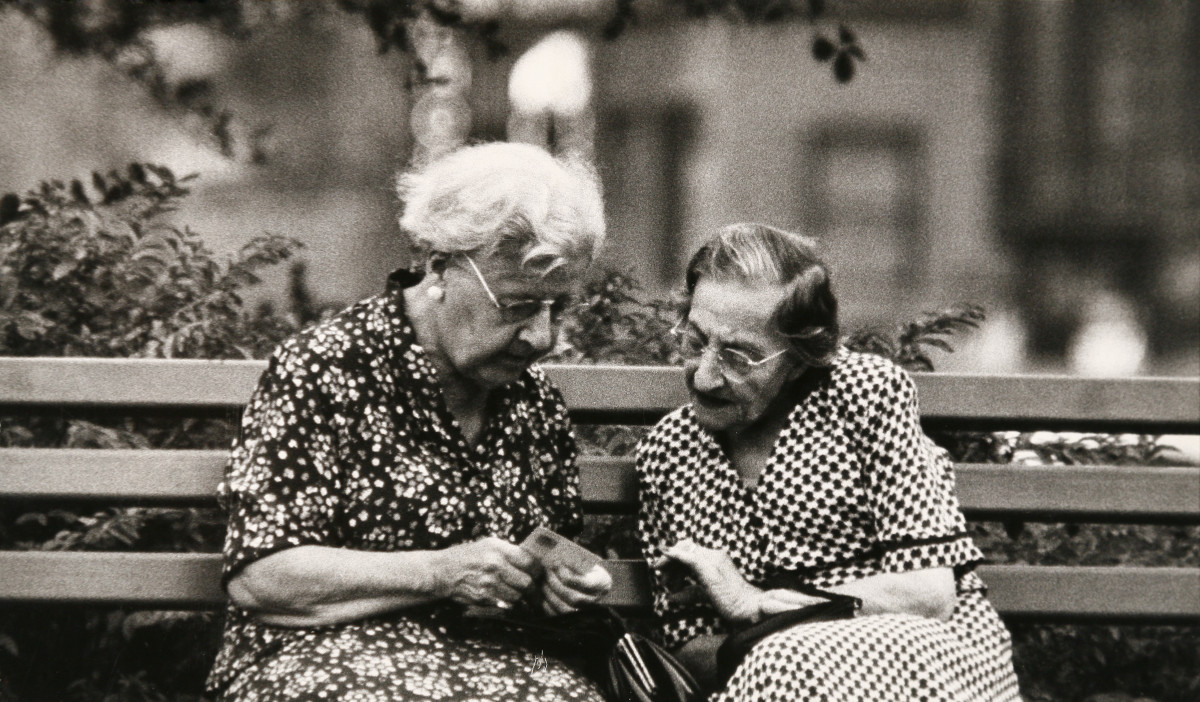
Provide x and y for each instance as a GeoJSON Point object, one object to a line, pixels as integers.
{"type": "Point", "coordinates": [852, 489]}
{"type": "Point", "coordinates": [347, 443]}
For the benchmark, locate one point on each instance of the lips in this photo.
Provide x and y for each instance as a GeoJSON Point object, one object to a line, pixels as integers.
{"type": "Point", "coordinates": [515, 360]}
{"type": "Point", "coordinates": [709, 401]}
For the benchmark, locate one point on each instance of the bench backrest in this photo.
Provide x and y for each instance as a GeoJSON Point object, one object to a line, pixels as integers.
{"type": "Point", "coordinates": [614, 395]}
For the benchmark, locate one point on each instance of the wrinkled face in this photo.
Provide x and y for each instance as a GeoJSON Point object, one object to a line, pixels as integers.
{"type": "Point", "coordinates": [737, 316]}
{"type": "Point", "coordinates": [490, 346]}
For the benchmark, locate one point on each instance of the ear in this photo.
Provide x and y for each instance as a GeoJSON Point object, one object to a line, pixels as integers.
{"type": "Point", "coordinates": [436, 263]}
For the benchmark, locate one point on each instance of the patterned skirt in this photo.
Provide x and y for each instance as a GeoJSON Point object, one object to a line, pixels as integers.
{"type": "Point", "coordinates": [883, 657]}
{"type": "Point", "coordinates": [394, 660]}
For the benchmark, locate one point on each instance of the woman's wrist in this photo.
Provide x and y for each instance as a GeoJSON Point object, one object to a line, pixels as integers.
{"type": "Point", "coordinates": [751, 609]}
{"type": "Point", "coordinates": [439, 564]}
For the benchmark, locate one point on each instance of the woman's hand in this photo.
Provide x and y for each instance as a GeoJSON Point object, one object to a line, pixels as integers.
{"type": "Point", "coordinates": [565, 590]}
{"type": "Point", "coordinates": [487, 572]}
{"type": "Point", "coordinates": [734, 599]}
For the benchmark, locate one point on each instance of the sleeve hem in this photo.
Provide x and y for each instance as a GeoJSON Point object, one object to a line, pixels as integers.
{"type": "Point", "coordinates": [957, 551]}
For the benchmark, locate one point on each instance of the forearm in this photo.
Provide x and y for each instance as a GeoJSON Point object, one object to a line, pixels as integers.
{"type": "Point", "coordinates": [320, 585]}
{"type": "Point", "coordinates": [926, 593]}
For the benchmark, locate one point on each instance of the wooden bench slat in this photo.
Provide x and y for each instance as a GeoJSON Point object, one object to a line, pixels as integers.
{"type": "Point", "coordinates": [117, 475]}
{"type": "Point", "coordinates": [1109, 593]}
{"type": "Point", "coordinates": [1151, 405]}
{"type": "Point", "coordinates": [1159, 494]}
{"type": "Point", "coordinates": [151, 580]}
{"type": "Point", "coordinates": [1039, 493]}
{"type": "Point", "coordinates": [191, 581]}
{"type": "Point", "coordinates": [1125, 405]}
{"type": "Point", "coordinates": [123, 382]}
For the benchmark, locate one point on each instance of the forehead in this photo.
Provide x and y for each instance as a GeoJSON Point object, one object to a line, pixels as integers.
{"type": "Point", "coordinates": [734, 310]}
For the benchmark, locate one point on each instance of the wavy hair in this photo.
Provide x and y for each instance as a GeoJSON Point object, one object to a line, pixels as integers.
{"type": "Point", "coordinates": [504, 198]}
{"type": "Point", "coordinates": [758, 254]}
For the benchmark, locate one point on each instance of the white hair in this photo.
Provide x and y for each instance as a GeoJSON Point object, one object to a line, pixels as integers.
{"type": "Point", "coordinates": [485, 197]}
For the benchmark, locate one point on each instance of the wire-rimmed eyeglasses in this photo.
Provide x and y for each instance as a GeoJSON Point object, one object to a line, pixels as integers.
{"type": "Point", "coordinates": [732, 362]}
{"type": "Point", "coordinates": [520, 311]}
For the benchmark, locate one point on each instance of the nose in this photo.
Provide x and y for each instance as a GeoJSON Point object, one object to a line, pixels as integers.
{"type": "Point", "coordinates": [540, 331]}
{"type": "Point", "coordinates": [707, 375]}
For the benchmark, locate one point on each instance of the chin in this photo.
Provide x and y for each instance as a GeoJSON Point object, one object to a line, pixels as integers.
{"type": "Point", "coordinates": [713, 419]}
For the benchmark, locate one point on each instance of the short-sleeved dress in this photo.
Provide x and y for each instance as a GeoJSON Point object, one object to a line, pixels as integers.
{"type": "Point", "coordinates": [347, 443]}
{"type": "Point", "coordinates": [852, 489]}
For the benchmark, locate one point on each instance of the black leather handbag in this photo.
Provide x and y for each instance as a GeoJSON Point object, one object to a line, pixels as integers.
{"type": "Point", "coordinates": [735, 647]}
{"type": "Point", "coordinates": [639, 670]}
{"type": "Point", "coordinates": [627, 666]}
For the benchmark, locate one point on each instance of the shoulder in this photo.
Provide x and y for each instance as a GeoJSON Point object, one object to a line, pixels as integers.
{"type": "Point", "coordinates": [316, 349]}
{"type": "Point", "coordinates": [666, 436]}
{"type": "Point", "coordinates": [866, 379]}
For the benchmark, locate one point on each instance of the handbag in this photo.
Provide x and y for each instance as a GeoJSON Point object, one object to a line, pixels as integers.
{"type": "Point", "coordinates": [640, 670]}
{"type": "Point", "coordinates": [627, 666]}
{"type": "Point", "coordinates": [735, 647]}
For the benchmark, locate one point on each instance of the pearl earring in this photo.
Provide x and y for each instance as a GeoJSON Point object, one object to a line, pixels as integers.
{"type": "Point", "coordinates": [435, 293]}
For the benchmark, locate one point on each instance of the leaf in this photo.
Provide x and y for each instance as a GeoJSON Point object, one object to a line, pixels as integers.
{"type": "Point", "coordinates": [63, 269]}
{"type": "Point", "coordinates": [78, 193]}
{"type": "Point", "coordinates": [845, 35]}
{"type": "Point", "coordinates": [816, 8]}
{"type": "Point", "coordinates": [843, 67]}
{"type": "Point", "coordinates": [137, 173]}
{"type": "Point", "coordinates": [32, 325]}
{"type": "Point", "coordinates": [937, 343]}
{"type": "Point", "coordinates": [10, 206]}
{"type": "Point", "coordinates": [38, 518]}
{"type": "Point", "coordinates": [823, 49]}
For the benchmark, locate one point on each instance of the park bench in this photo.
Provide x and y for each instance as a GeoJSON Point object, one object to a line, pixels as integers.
{"type": "Point", "coordinates": [613, 395]}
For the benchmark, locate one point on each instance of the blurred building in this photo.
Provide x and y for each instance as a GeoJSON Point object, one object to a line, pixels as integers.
{"type": "Point", "coordinates": [1038, 158]}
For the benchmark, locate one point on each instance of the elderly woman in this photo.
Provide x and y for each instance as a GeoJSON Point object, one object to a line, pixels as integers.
{"type": "Point", "coordinates": [393, 455]}
{"type": "Point", "coordinates": [799, 461]}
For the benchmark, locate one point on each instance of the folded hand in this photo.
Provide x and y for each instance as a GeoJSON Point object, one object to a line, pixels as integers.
{"type": "Point", "coordinates": [487, 572]}
{"type": "Point", "coordinates": [565, 590]}
{"type": "Point", "coordinates": [734, 599]}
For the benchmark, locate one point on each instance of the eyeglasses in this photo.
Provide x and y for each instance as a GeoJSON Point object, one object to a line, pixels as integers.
{"type": "Point", "coordinates": [521, 310]}
{"type": "Point", "coordinates": [733, 363]}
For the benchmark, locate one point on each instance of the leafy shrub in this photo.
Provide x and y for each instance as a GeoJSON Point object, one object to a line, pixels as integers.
{"type": "Point", "coordinates": [100, 271]}
{"type": "Point", "coordinates": [111, 278]}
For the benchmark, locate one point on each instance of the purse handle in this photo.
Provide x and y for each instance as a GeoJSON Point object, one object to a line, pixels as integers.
{"type": "Point", "coordinates": [790, 582]}
{"type": "Point", "coordinates": [738, 644]}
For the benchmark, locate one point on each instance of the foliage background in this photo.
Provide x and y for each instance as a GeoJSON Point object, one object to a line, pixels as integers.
{"type": "Point", "coordinates": [94, 270]}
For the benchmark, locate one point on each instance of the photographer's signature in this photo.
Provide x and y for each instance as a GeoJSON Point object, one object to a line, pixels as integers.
{"type": "Point", "coordinates": [539, 661]}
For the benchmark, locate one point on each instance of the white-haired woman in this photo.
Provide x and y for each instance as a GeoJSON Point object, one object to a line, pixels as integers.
{"type": "Point", "coordinates": [800, 464]}
{"type": "Point", "coordinates": [393, 455]}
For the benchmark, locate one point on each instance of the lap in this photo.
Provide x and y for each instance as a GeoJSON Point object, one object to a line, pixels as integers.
{"type": "Point", "coordinates": [380, 664]}
{"type": "Point", "coordinates": [892, 657]}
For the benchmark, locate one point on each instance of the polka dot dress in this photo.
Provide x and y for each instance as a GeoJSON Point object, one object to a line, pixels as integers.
{"type": "Point", "coordinates": [853, 488]}
{"type": "Point", "coordinates": [346, 443]}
